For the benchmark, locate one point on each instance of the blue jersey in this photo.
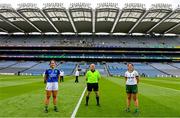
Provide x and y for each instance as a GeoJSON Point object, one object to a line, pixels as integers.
{"type": "Point", "coordinates": [52, 75]}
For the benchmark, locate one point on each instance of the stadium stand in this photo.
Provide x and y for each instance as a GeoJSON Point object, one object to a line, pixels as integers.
{"type": "Point", "coordinates": [67, 67]}
{"type": "Point", "coordinates": [99, 41]}
{"type": "Point", "coordinates": [176, 65]}
{"type": "Point", "coordinates": [170, 70]}
{"type": "Point", "coordinates": [18, 67]}
{"type": "Point", "coordinates": [146, 37]}
{"type": "Point", "coordinates": [101, 69]}
{"type": "Point", "coordinates": [119, 69]}
{"type": "Point", "coordinates": [147, 70]}
{"type": "Point", "coordinates": [38, 69]}
{"type": "Point", "coordinates": [83, 67]}
{"type": "Point", "coordinates": [6, 64]}
{"type": "Point", "coordinates": [116, 68]}
{"type": "Point", "coordinates": [113, 68]}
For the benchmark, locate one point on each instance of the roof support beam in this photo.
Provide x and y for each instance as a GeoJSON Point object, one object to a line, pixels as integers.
{"type": "Point", "coordinates": [71, 21]}
{"type": "Point", "coordinates": [160, 22]}
{"type": "Point", "coordinates": [116, 21]}
{"type": "Point", "coordinates": [136, 24]}
{"type": "Point", "coordinates": [11, 24]}
{"type": "Point", "coordinates": [172, 28]}
{"type": "Point", "coordinates": [49, 21]}
{"type": "Point", "coordinates": [28, 21]}
{"type": "Point", "coordinates": [3, 30]}
{"type": "Point", "coordinates": [93, 20]}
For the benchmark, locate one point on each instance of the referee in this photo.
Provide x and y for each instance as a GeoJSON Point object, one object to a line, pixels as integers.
{"type": "Point", "coordinates": [92, 78]}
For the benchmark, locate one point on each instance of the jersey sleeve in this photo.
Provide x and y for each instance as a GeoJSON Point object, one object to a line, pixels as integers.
{"type": "Point", "coordinates": [125, 75]}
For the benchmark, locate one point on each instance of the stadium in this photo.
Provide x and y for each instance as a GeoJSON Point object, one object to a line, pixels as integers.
{"type": "Point", "coordinates": [108, 36]}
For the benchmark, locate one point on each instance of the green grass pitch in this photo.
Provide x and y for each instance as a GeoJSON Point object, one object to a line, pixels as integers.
{"type": "Point", "coordinates": [23, 96]}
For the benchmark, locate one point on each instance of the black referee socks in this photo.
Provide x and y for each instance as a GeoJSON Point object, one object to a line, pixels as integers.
{"type": "Point", "coordinates": [87, 99]}
{"type": "Point", "coordinates": [97, 99]}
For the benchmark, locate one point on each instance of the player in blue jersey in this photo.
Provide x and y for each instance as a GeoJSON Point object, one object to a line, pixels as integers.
{"type": "Point", "coordinates": [52, 75]}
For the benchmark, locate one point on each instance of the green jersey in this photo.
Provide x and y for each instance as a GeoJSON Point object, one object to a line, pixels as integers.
{"type": "Point", "coordinates": [93, 77]}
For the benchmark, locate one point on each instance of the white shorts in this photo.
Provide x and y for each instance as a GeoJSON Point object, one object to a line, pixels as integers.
{"type": "Point", "coordinates": [50, 86]}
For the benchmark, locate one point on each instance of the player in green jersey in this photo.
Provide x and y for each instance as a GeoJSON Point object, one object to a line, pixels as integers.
{"type": "Point", "coordinates": [92, 79]}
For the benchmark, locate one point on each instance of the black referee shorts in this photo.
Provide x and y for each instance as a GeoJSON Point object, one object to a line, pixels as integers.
{"type": "Point", "coordinates": [92, 86]}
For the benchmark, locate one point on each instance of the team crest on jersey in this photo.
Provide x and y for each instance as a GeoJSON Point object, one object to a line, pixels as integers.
{"type": "Point", "coordinates": [55, 71]}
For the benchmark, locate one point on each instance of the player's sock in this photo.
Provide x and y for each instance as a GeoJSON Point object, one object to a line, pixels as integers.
{"type": "Point", "coordinates": [55, 108]}
{"type": "Point", "coordinates": [97, 100]}
{"type": "Point", "coordinates": [87, 99]}
{"type": "Point", "coordinates": [46, 108]}
{"type": "Point", "coordinates": [127, 109]}
{"type": "Point", "coordinates": [136, 110]}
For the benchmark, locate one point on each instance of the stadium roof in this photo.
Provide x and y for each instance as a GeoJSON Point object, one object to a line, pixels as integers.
{"type": "Point", "coordinates": [82, 18]}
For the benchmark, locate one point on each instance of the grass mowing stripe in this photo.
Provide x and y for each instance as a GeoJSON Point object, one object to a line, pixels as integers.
{"type": "Point", "coordinates": [12, 91]}
{"type": "Point", "coordinates": [162, 84]}
{"type": "Point", "coordinates": [162, 80]}
{"type": "Point", "coordinates": [165, 86]}
{"type": "Point", "coordinates": [155, 101]}
{"type": "Point", "coordinates": [154, 108]}
{"type": "Point", "coordinates": [113, 103]}
{"type": "Point", "coordinates": [164, 96]}
{"type": "Point", "coordinates": [15, 77]}
{"type": "Point", "coordinates": [162, 104]}
{"type": "Point", "coordinates": [165, 79]}
{"type": "Point", "coordinates": [31, 104]}
{"type": "Point", "coordinates": [78, 104]}
{"type": "Point", "coordinates": [106, 101]}
{"type": "Point", "coordinates": [156, 82]}
{"type": "Point", "coordinates": [18, 82]}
